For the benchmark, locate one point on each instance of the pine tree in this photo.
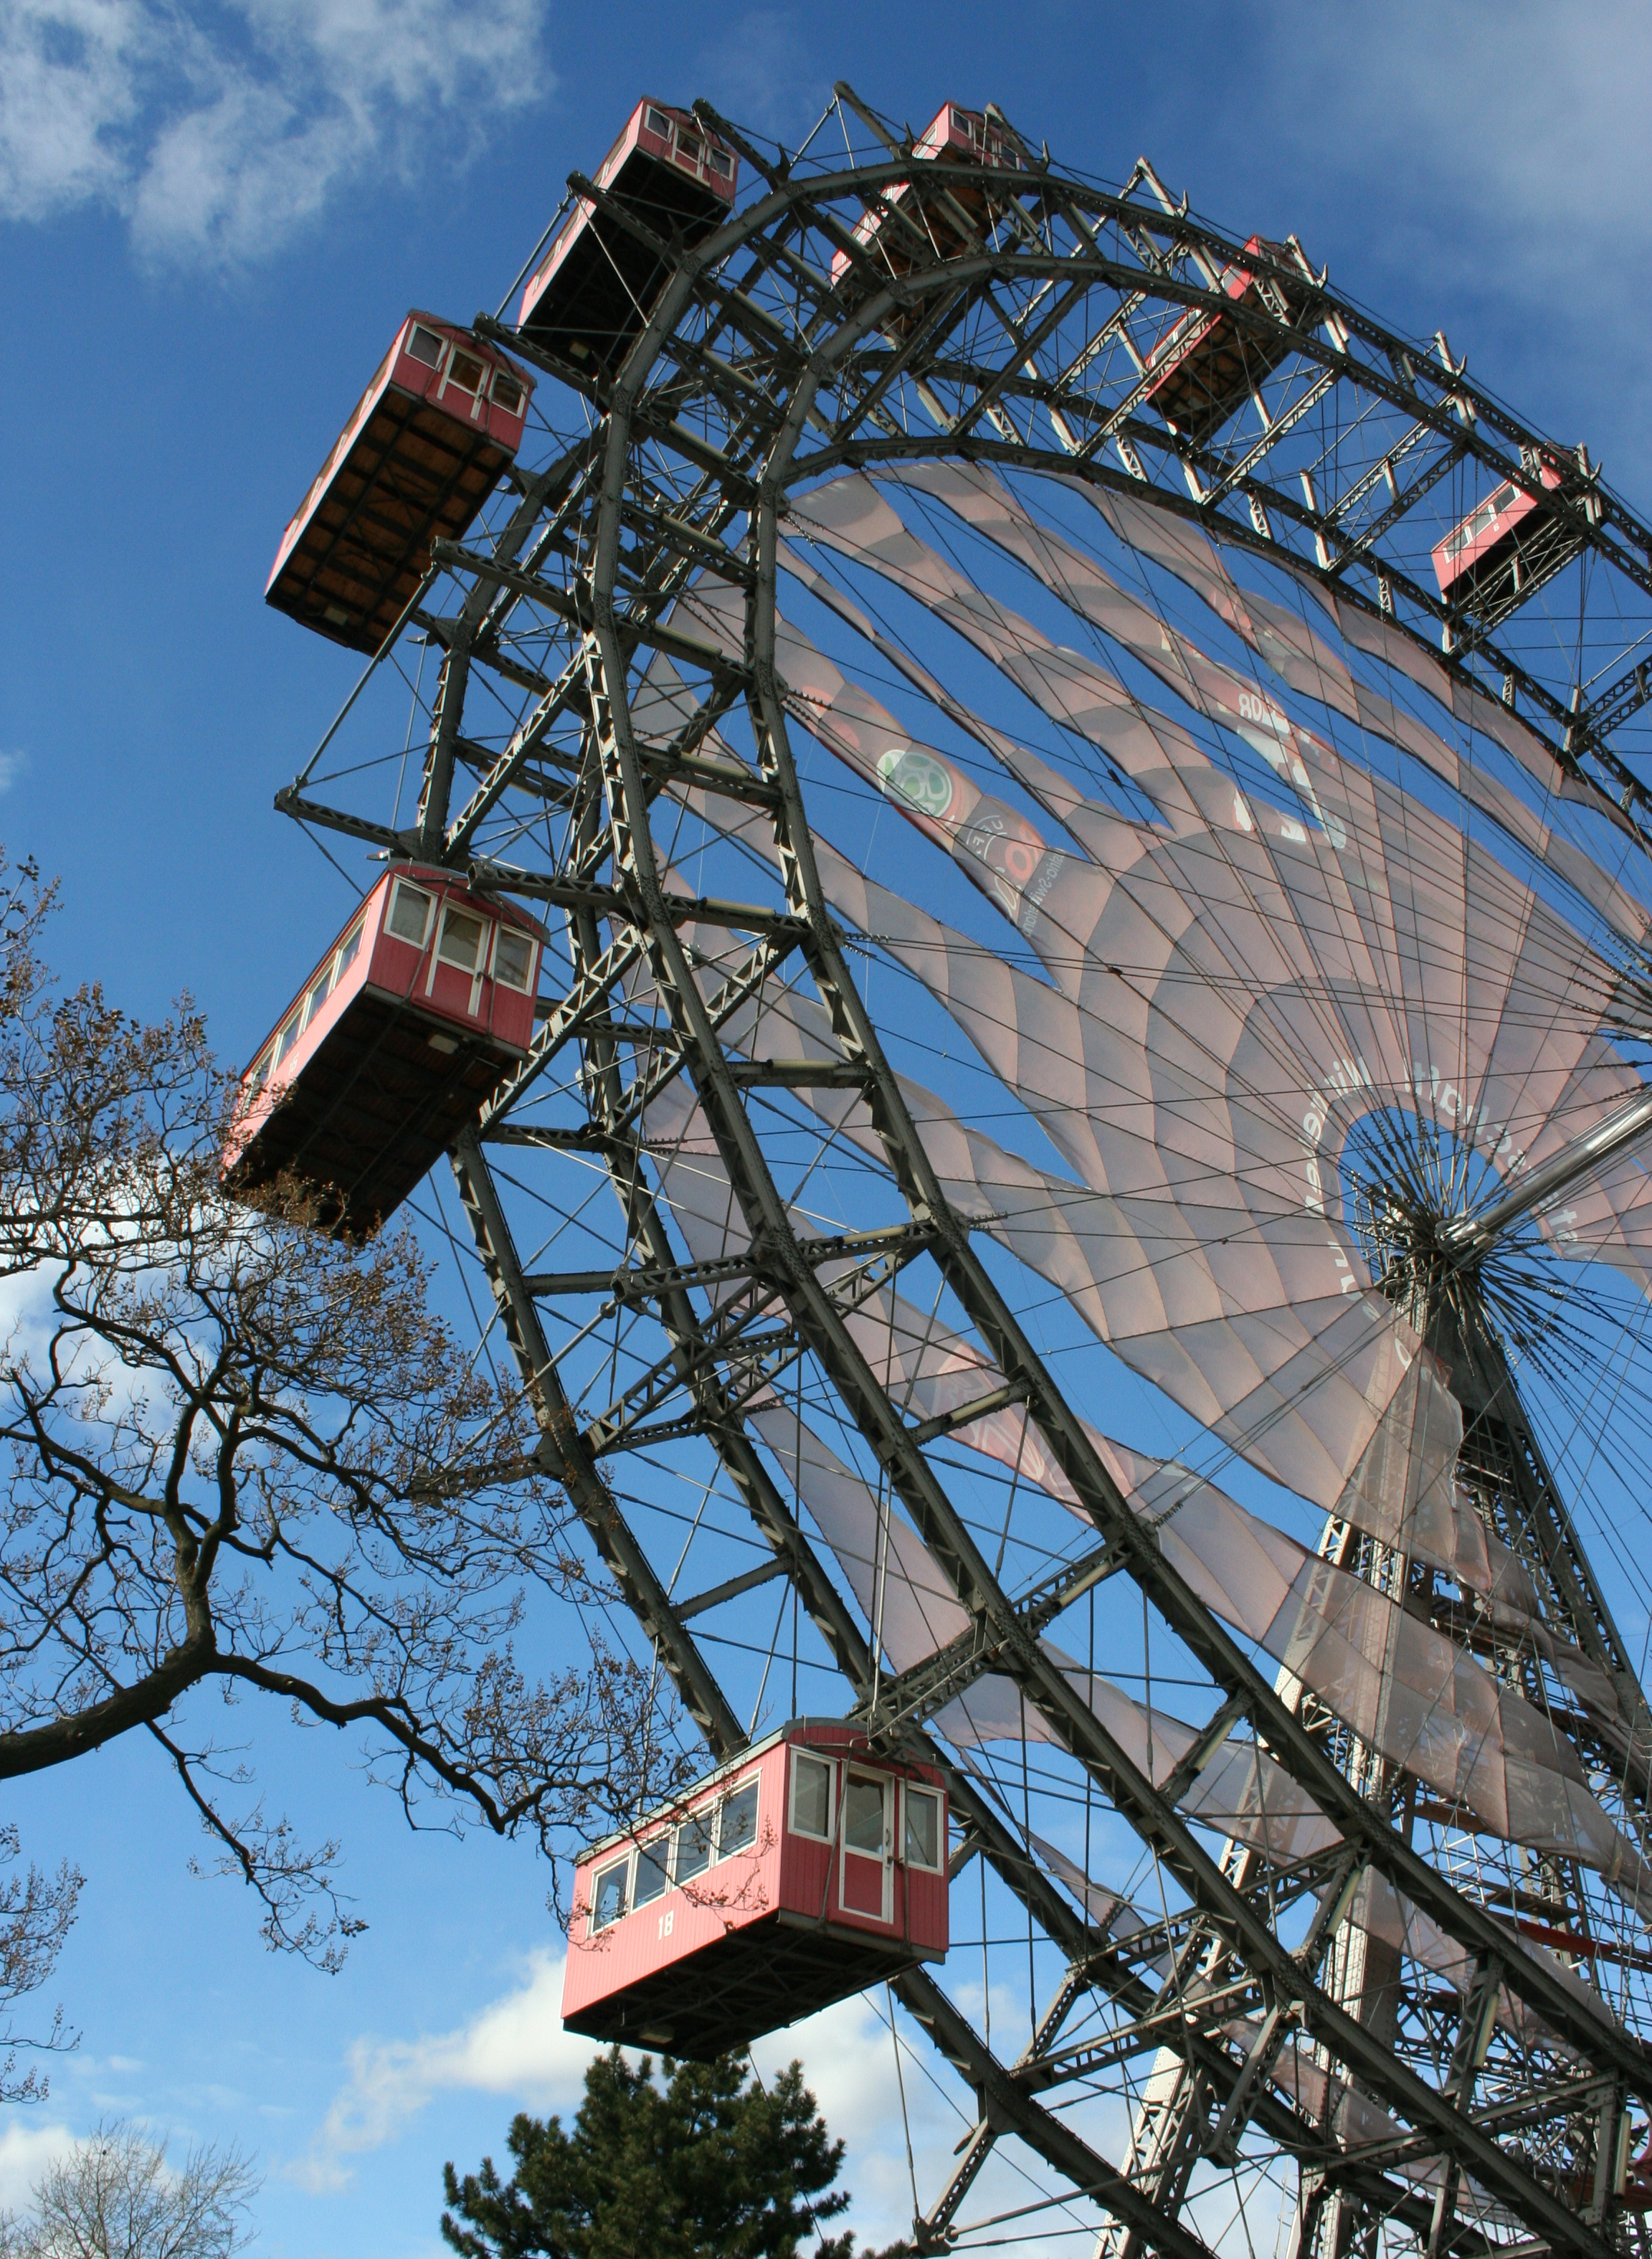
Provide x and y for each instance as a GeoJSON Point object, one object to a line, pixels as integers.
{"type": "Point", "coordinates": [703, 2166]}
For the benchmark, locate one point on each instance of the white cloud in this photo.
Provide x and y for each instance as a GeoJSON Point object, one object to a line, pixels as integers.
{"type": "Point", "coordinates": [1483, 167]}
{"type": "Point", "coordinates": [1527, 114]}
{"type": "Point", "coordinates": [1486, 73]}
{"type": "Point", "coordinates": [849, 2066]}
{"type": "Point", "coordinates": [26, 1313]}
{"type": "Point", "coordinates": [218, 143]}
{"type": "Point", "coordinates": [33, 1330]}
{"type": "Point", "coordinates": [13, 765]}
{"type": "Point", "coordinates": [69, 86]}
{"type": "Point", "coordinates": [27, 2147]}
{"type": "Point", "coordinates": [515, 2047]}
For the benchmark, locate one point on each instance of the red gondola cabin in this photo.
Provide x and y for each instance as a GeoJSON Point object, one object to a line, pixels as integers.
{"type": "Point", "coordinates": [921, 229]}
{"type": "Point", "coordinates": [1205, 366]}
{"type": "Point", "coordinates": [430, 437]}
{"type": "Point", "coordinates": [802, 1872]}
{"type": "Point", "coordinates": [1505, 547]}
{"type": "Point", "coordinates": [587, 299]}
{"type": "Point", "coordinates": [412, 1019]}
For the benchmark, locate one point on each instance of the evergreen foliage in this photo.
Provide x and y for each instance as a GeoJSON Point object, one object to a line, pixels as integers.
{"type": "Point", "coordinates": [700, 2165]}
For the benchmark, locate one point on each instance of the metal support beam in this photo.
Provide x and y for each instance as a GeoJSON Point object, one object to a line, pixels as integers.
{"type": "Point", "coordinates": [571, 1463]}
{"type": "Point", "coordinates": [1014, 2111]}
{"type": "Point", "coordinates": [494, 572]}
{"type": "Point", "coordinates": [1473, 1236]}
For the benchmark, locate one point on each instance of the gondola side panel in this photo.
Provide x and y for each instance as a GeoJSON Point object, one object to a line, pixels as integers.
{"type": "Point", "coordinates": [731, 1895]}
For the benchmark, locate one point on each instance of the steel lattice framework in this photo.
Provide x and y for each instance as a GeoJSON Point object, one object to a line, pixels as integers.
{"type": "Point", "coordinates": [581, 706]}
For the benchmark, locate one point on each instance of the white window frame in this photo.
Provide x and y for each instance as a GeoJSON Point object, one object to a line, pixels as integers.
{"type": "Point", "coordinates": [484, 955]}
{"type": "Point", "coordinates": [932, 1796]}
{"type": "Point", "coordinates": [599, 1876]}
{"type": "Point", "coordinates": [319, 989]}
{"type": "Point", "coordinates": [654, 1842]}
{"type": "Point", "coordinates": [750, 1780]}
{"type": "Point", "coordinates": [410, 886]}
{"type": "Point", "coordinates": [315, 1002]}
{"type": "Point", "coordinates": [339, 966]}
{"type": "Point", "coordinates": [663, 131]}
{"type": "Point", "coordinates": [885, 1782]}
{"type": "Point", "coordinates": [452, 905]}
{"type": "Point", "coordinates": [793, 1771]}
{"type": "Point", "coordinates": [442, 347]}
{"type": "Point", "coordinates": [694, 1819]}
{"type": "Point", "coordinates": [477, 399]}
{"type": "Point", "coordinates": [885, 1858]}
{"type": "Point", "coordinates": [532, 980]}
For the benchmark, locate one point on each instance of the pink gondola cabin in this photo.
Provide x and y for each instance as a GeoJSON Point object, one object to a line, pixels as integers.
{"type": "Point", "coordinates": [416, 1014]}
{"type": "Point", "coordinates": [1205, 366]}
{"type": "Point", "coordinates": [1505, 547]}
{"type": "Point", "coordinates": [801, 1872]}
{"type": "Point", "coordinates": [588, 299]}
{"type": "Point", "coordinates": [430, 439]}
{"type": "Point", "coordinates": [902, 231]}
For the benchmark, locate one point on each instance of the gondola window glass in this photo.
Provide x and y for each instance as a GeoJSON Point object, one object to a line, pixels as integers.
{"type": "Point", "coordinates": [607, 1900]}
{"type": "Point", "coordinates": [739, 1828]}
{"type": "Point", "coordinates": [424, 344]}
{"type": "Point", "coordinates": [863, 1814]}
{"type": "Point", "coordinates": [653, 1870]}
{"type": "Point", "coordinates": [513, 956]}
{"type": "Point", "coordinates": [811, 1796]}
{"type": "Point", "coordinates": [923, 1828]}
{"type": "Point", "coordinates": [693, 1846]}
{"type": "Point", "coordinates": [409, 914]}
{"type": "Point", "coordinates": [462, 937]}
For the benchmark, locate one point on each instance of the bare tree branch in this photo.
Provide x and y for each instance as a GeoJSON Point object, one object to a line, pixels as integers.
{"type": "Point", "coordinates": [112, 2197]}
{"type": "Point", "coordinates": [245, 1457]}
{"type": "Point", "coordinates": [36, 1913]}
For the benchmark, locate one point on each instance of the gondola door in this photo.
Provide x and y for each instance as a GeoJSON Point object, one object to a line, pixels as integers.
{"type": "Point", "coordinates": [867, 1886]}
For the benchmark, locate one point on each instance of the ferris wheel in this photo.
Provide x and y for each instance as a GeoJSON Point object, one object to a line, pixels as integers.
{"type": "Point", "coordinates": [1019, 891]}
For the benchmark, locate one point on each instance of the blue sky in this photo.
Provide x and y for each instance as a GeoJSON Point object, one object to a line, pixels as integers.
{"type": "Point", "coordinates": [211, 219]}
